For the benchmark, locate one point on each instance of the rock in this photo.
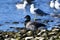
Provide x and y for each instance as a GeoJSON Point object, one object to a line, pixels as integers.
{"type": "Point", "coordinates": [29, 33]}
{"type": "Point", "coordinates": [23, 31]}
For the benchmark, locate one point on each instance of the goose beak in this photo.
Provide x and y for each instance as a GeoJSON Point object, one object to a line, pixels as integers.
{"type": "Point", "coordinates": [25, 17]}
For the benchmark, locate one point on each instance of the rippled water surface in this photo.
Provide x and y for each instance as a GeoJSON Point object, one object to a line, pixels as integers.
{"type": "Point", "coordinates": [9, 13]}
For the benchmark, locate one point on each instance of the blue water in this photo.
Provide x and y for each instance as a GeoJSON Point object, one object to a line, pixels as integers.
{"type": "Point", "coordinates": [9, 13]}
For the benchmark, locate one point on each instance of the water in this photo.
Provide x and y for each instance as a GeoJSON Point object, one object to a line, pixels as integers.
{"type": "Point", "coordinates": [9, 13]}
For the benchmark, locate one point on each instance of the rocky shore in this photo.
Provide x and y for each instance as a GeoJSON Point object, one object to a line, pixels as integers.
{"type": "Point", "coordinates": [24, 34]}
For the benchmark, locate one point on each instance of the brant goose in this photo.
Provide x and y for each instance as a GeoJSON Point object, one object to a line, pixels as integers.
{"type": "Point", "coordinates": [33, 25]}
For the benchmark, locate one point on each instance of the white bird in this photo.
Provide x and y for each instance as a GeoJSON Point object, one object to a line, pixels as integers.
{"type": "Point", "coordinates": [36, 11]}
{"type": "Point", "coordinates": [57, 4]}
{"type": "Point", "coordinates": [52, 4]}
{"type": "Point", "coordinates": [22, 5]}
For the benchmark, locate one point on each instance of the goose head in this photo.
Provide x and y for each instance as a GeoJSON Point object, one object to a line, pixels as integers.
{"type": "Point", "coordinates": [27, 17]}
